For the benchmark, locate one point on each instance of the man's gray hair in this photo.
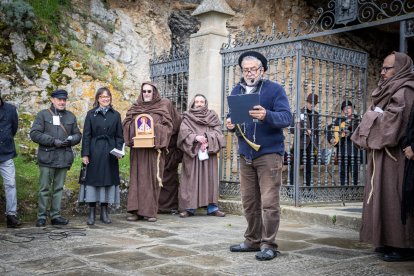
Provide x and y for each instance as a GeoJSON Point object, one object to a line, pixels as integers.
{"type": "Point", "coordinates": [252, 58]}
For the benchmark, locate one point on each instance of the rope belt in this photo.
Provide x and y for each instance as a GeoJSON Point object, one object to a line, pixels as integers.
{"type": "Point", "coordinates": [372, 177]}
{"type": "Point", "coordinates": [390, 155]}
{"type": "Point", "coordinates": [373, 171]}
{"type": "Point", "coordinates": [158, 168]}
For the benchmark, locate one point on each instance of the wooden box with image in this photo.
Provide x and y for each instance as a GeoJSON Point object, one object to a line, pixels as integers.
{"type": "Point", "coordinates": [144, 131]}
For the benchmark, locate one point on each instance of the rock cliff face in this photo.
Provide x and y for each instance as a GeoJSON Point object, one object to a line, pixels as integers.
{"type": "Point", "coordinates": [100, 45]}
{"type": "Point", "coordinates": [110, 43]}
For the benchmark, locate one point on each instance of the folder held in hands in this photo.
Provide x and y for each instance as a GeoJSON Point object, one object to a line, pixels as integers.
{"type": "Point", "coordinates": [240, 105]}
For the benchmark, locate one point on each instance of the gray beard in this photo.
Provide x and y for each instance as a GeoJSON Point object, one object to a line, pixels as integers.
{"type": "Point", "coordinates": [254, 83]}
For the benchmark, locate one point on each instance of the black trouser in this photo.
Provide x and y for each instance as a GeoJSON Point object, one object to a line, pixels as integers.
{"type": "Point", "coordinates": [349, 168]}
{"type": "Point", "coordinates": [308, 166]}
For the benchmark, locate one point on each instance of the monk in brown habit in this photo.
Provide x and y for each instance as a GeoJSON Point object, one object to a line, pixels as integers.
{"type": "Point", "coordinates": [200, 138]}
{"type": "Point", "coordinates": [380, 131]}
{"type": "Point", "coordinates": [147, 164]}
{"type": "Point", "coordinates": [168, 201]}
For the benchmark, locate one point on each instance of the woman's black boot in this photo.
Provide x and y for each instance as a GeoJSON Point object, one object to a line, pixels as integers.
{"type": "Point", "coordinates": [104, 214]}
{"type": "Point", "coordinates": [91, 217]}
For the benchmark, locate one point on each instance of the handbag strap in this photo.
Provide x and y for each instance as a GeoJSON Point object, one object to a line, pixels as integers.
{"type": "Point", "coordinates": [64, 129]}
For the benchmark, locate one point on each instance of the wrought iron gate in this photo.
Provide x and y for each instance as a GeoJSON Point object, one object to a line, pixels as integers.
{"type": "Point", "coordinates": [305, 68]}
{"type": "Point", "coordinates": [170, 73]}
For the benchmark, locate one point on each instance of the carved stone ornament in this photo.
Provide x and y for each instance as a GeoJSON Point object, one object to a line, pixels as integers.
{"type": "Point", "coordinates": [345, 11]}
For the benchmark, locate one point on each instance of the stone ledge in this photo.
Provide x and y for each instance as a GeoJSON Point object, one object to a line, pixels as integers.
{"type": "Point", "coordinates": [233, 207]}
{"type": "Point", "coordinates": [334, 216]}
{"type": "Point", "coordinates": [322, 216]}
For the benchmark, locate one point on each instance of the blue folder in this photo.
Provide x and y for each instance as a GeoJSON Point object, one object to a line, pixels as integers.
{"type": "Point", "coordinates": [240, 105]}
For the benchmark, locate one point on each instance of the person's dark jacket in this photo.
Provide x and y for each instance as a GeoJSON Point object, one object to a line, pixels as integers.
{"type": "Point", "coordinates": [408, 139]}
{"type": "Point", "coordinates": [8, 129]}
{"type": "Point", "coordinates": [101, 134]}
{"type": "Point", "coordinates": [345, 144]}
{"type": "Point", "coordinates": [269, 132]}
{"type": "Point", "coordinates": [308, 120]}
{"type": "Point", "coordinates": [407, 202]}
{"type": "Point", "coordinates": [44, 133]}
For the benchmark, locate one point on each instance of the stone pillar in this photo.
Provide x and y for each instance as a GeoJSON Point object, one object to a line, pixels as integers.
{"type": "Point", "coordinates": [205, 65]}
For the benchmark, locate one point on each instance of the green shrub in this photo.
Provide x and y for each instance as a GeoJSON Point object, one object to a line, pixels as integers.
{"type": "Point", "coordinates": [5, 46]}
{"type": "Point", "coordinates": [49, 10]}
{"type": "Point", "coordinates": [18, 14]}
{"type": "Point", "coordinates": [91, 59]}
{"type": "Point", "coordinates": [6, 68]}
{"type": "Point", "coordinates": [118, 84]}
{"type": "Point", "coordinates": [49, 13]}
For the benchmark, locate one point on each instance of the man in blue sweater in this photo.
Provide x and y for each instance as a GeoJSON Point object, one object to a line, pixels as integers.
{"type": "Point", "coordinates": [261, 170]}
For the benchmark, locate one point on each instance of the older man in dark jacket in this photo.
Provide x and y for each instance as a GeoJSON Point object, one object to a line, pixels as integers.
{"type": "Point", "coordinates": [8, 129]}
{"type": "Point", "coordinates": [56, 131]}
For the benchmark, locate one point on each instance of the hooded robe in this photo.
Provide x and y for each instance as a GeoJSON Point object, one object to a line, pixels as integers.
{"type": "Point", "coordinates": [170, 182]}
{"type": "Point", "coordinates": [380, 134]}
{"type": "Point", "coordinates": [147, 164]}
{"type": "Point", "coordinates": [199, 179]}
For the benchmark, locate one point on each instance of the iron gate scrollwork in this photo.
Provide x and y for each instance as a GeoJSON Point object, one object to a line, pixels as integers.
{"type": "Point", "coordinates": [335, 74]}
{"type": "Point", "coordinates": [338, 17]}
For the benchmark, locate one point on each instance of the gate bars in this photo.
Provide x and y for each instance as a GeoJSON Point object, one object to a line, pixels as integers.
{"type": "Point", "coordinates": [170, 73]}
{"type": "Point", "coordinates": [305, 67]}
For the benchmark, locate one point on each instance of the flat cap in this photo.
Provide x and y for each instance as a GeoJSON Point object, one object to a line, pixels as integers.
{"type": "Point", "coordinates": [346, 103]}
{"type": "Point", "coordinates": [60, 94]}
{"type": "Point", "coordinates": [255, 54]}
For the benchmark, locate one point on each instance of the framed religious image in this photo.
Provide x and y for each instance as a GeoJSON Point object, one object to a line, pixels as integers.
{"type": "Point", "coordinates": [144, 125]}
{"type": "Point", "coordinates": [144, 131]}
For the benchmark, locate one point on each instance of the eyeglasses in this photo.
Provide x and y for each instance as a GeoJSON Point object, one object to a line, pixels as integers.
{"type": "Point", "coordinates": [147, 91]}
{"type": "Point", "coordinates": [386, 69]}
{"type": "Point", "coordinates": [252, 70]}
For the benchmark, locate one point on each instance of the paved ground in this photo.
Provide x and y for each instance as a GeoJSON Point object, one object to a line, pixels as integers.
{"type": "Point", "coordinates": [192, 246]}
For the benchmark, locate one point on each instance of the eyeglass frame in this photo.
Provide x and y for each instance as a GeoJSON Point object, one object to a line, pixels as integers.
{"type": "Point", "coordinates": [386, 68]}
{"type": "Point", "coordinates": [104, 97]}
{"type": "Point", "coordinates": [251, 70]}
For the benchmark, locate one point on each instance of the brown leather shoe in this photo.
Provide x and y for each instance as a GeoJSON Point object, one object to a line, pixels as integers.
{"type": "Point", "coordinates": [186, 214]}
{"type": "Point", "coordinates": [217, 213]}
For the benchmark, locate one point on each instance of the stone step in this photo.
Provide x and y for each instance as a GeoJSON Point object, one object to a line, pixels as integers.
{"type": "Point", "coordinates": [335, 215]}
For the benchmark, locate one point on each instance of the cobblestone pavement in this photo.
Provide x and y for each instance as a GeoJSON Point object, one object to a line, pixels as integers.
{"type": "Point", "coordinates": [192, 246]}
